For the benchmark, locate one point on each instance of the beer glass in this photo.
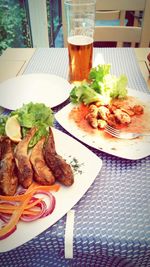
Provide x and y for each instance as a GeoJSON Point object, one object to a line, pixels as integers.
{"type": "Point", "coordinates": [80, 17]}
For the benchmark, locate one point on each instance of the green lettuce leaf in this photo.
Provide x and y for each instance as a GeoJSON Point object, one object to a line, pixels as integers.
{"type": "Point", "coordinates": [30, 115]}
{"type": "Point", "coordinates": [119, 89]}
{"type": "Point", "coordinates": [102, 86]}
{"type": "Point", "coordinates": [97, 75]}
{"type": "Point", "coordinates": [83, 93]}
{"type": "Point", "coordinates": [3, 120]}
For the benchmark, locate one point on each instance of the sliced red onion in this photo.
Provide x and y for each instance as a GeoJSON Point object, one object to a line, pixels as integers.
{"type": "Point", "coordinates": [7, 202]}
{"type": "Point", "coordinates": [45, 211]}
{"type": "Point", "coordinates": [21, 191]}
{"type": "Point", "coordinates": [52, 204]}
{"type": "Point", "coordinates": [9, 233]}
{"type": "Point", "coordinates": [4, 218]}
{"type": "Point", "coordinates": [30, 218]}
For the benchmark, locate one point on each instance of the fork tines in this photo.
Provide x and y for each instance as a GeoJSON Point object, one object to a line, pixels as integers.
{"type": "Point", "coordinates": [112, 130]}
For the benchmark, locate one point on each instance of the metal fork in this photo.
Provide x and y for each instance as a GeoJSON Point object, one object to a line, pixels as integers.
{"type": "Point", "coordinates": [123, 135]}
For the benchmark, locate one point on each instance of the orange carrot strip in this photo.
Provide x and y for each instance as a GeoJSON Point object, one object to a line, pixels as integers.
{"type": "Point", "coordinates": [31, 205]}
{"type": "Point", "coordinates": [15, 216]}
{"type": "Point", "coordinates": [26, 212]}
{"type": "Point", "coordinates": [18, 197]}
{"type": "Point", "coordinates": [22, 197]}
{"type": "Point", "coordinates": [10, 207]}
{"type": "Point", "coordinates": [54, 187]}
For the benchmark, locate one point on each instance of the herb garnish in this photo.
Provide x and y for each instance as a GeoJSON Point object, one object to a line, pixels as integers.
{"type": "Point", "coordinates": [76, 165]}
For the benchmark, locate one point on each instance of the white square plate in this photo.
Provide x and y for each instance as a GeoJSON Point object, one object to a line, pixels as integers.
{"type": "Point", "coordinates": [129, 149]}
{"type": "Point", "coordinates": [66, 197]}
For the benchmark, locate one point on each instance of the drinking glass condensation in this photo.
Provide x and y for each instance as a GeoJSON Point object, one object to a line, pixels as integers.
{"type": "Point", "coordinates": [80, 17]}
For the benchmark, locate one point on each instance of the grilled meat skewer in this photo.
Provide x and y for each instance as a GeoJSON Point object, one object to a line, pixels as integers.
{"type": "Point", "coordinates": [61, 170]}
{"type": "Point", "coordinates": [8, 178]}
{"type": "Point", "coordinates": [42, 174]}
{"type": "Point", "coordinates": [25, 171]}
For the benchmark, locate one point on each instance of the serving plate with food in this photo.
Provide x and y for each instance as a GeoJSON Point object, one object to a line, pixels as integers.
{"type": "Point", "coordinates": [43, 174]}
{"type": "Point", "coordinates": [106, 100]}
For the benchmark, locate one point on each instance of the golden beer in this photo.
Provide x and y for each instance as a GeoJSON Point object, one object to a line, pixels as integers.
{"type": "Point", "coordinates": [80, 49]}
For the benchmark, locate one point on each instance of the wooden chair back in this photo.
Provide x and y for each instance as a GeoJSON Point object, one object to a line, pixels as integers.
{"type": "Point", "coordinates": [116, 9]}
{"type": "Point", "coordinates": [131, 34]}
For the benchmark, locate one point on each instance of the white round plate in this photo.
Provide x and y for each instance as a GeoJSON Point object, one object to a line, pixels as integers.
{"type": "Point", "coordinates": [44, 88]}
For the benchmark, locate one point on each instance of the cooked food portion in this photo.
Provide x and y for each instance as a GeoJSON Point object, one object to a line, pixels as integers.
{"type": "Point", "coordinates": [107, 100]}
{"type": "Point", "coordinates": [121, 116]}
{"type": "Point", "coordinates": [103, 112]}
{"type": "Point", "coordinates": [23, 153]}
{"type": "Point", "coordinates": [1, 139]}
{"type": "Point", "coordinates": [60, 168]}
{"type": "Point", "coordinates": [42, 174]}
{"type": "Point", "coordinates": [18, 166]}
{"type": "Point", "coordinates": [8, 178]}
{"type": "Point", "coordinates": [24, 167]}
{"type": "Point", "coordinates": [115, 114]}
{"type": "Point", "coordinates": [138, 109]}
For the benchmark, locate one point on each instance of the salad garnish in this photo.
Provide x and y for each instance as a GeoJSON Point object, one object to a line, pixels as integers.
{"type": "Point", "coordinates": [102, 86]}
{"type": "Point", "coordinates": [31, 115]}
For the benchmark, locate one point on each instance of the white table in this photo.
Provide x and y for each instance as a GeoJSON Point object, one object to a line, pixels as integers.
{"type": "Point", "coordinates": [14, 61]}
{"type": "Point", "coordinates": [112, 220]}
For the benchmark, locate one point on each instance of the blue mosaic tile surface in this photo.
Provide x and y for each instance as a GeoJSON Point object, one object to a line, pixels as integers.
{"type": "Point", "coordinates": [112, 220]}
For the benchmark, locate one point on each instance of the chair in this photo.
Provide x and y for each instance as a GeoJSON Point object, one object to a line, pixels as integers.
{"type": "Point", "coordinates": [116, 9]}
{"type": "Point", "coordinates": [132, 34]}
{"type": "Point", "coordinates": [110, 17]}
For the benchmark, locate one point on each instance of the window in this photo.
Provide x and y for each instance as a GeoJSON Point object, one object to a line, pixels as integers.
{"type": "Point", "coordinates": [54, 22]}
{"type": "Point", "coordinates": [19, 21]}
{"type": "Point", "coordinates": [14, 26]}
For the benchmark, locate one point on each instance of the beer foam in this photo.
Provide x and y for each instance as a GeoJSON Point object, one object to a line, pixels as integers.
{"type": "Point", "coordinates": [80, 40]}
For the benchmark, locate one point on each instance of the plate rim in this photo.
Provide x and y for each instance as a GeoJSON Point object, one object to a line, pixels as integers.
{"type": "Point", "coordinates": [27, 77]}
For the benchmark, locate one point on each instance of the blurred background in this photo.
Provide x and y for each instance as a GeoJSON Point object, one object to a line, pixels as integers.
{"type": "Point", "coordinates": [35, 23]}
{"type": "Point", "coordinates": [15, 23]}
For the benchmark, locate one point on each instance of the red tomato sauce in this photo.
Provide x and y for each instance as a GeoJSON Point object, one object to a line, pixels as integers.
{"type": "Point", "coordinates": [139, 123]}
